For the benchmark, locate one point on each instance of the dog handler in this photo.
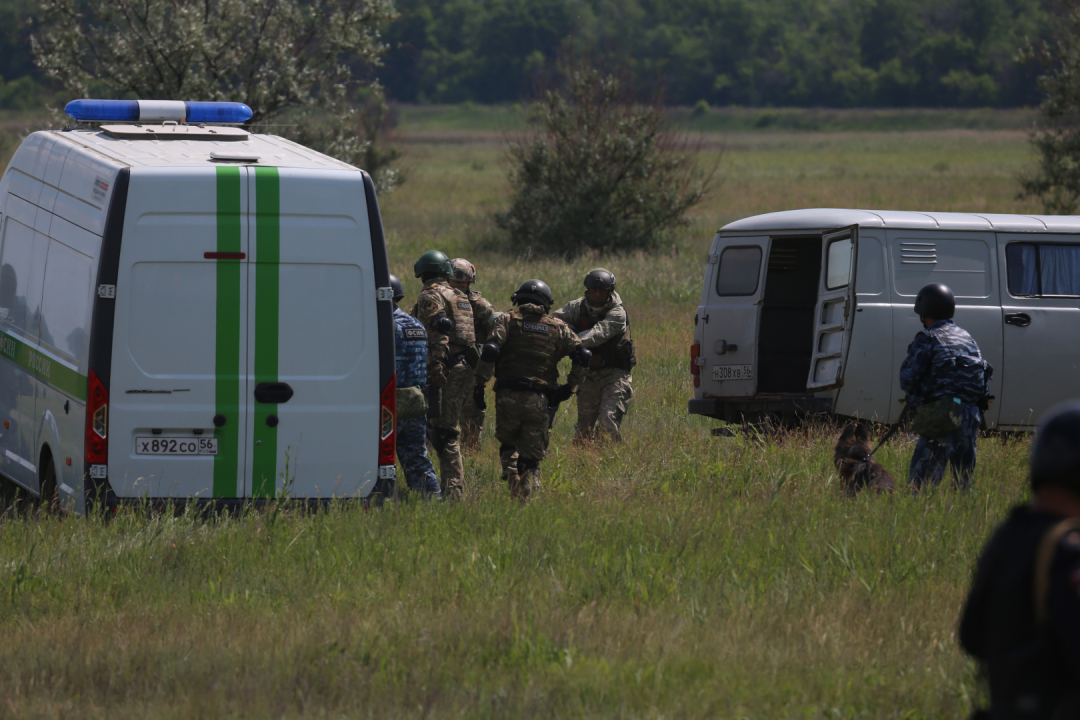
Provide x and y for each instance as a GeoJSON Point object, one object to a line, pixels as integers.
{"type": "Point", "coordinates": [1022, 616]}
{"type": "Point", "coordinates": [946, 381]}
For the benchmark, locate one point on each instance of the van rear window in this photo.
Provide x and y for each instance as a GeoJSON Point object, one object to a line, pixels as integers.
{"type": "Point", "coordinates": [1043, 269]}
{"type": "Point", "coordinates": [739, 271]}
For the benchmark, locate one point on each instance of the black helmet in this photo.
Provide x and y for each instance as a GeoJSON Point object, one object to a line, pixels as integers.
{"type": "Point", "coordinates": [1055, 454]}
{"type": "Point", "coordinates": [600, 279]}
{"type": "Point", "coordinates": [935, 301]}
{"type": "Point", "coordinates": [433, 262]}
{"type": "Point", "coordinates": [395, 284]}
{"type": "Point", "coordinates": [534, 291]}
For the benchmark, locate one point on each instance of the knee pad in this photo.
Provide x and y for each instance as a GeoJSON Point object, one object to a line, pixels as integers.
{"type": "Point", "coordinates": [528, 464]}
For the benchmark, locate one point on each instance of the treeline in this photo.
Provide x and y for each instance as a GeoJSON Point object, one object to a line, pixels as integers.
{"type": "Point", "coordinates": [827, 53]}
{"type": "Point", "coordinates": [823, 53]}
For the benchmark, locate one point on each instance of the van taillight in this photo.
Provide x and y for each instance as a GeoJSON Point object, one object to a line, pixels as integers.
{"type": "Point", "coordinates": [97, 421]}
{"type": "Point", "coordinates": [387, 417]}
{"type": "Point", "coordinates": [695, 353]}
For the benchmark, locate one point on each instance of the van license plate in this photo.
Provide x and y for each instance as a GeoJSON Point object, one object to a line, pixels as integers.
{"type": "Point", "coordinates": [176, 446]}
{"type": "Point", "coordinates": [732, 372]}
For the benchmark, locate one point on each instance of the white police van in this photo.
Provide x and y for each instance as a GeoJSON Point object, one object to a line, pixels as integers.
{"type": "Point", "coordinates": [190, 311]}
{"type": "Point", "coordinates": [811, 311]}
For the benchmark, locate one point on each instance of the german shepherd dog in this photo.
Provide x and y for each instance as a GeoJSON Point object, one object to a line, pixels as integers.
{"type": "Point", "coordinates": [856, 467]}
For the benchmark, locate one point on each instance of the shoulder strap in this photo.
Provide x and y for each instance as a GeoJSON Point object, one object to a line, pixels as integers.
{"type": "Point", "coordinates": [1044, 559]}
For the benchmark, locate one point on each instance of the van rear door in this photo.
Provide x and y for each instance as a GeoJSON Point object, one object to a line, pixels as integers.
{"type": "Point", "coordinates": [178, 413]}
{"type": "Point", "coordinates": [313, 357]}
{"type": "Point", "coordinates": [727, 321]}
{"type": "Point", "coordinates": [834, 313]}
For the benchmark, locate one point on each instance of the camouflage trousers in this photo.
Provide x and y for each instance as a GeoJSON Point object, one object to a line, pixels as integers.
{"type": "Point", "coordinates": [602, 400]}
{"type": "Point", "coordinates": [472, 423]}
{"type": "Point", "coordinates": [958, 449]}
{"type": "Point", "coordinates": [413, 456]}
{"type": "Point", "coordinates": [445, 430]}
{"type": "Point", "coordinates": [521, 427]}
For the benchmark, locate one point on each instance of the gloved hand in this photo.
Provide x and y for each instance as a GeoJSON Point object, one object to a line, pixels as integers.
{"type": "Point", "coordinates": [478, 396]}
{"type": "Point", "coordinates": [562, 393]}
{"type": "Point", "coordinates": [437, 374]}
{"type": "Point", "coordinates": [442, 324]}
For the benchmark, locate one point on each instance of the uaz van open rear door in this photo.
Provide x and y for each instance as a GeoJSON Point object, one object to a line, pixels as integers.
{"type": "Point", "coordinates": [835, 309]}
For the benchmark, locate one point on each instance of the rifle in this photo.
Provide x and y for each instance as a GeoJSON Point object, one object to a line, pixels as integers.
{"type": "Point", "coordinates": [434, 401]}
{"type": "Point", "coordinates": [556, 396]}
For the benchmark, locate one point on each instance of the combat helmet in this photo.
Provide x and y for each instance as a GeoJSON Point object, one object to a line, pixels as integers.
{"type": "Point", "coordinates": [935, 301]}
{"type": "Point", "coordinates": [395, 285]}
{"type": "Point", "coordinates": [533, 291]}
{"type": "Point", "coordinates": [600, 279]}
{"type": "Point", "coordinates": [1055, 454]}
{"type": "Point", "coordinates": [433, 262]}
{"type": "Point", "coordinates": [464, 271]}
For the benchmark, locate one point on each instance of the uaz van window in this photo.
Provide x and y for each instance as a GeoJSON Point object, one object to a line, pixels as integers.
{"type": "Point", "coordinates": [1043, 270]}
{"type": "Point", "coordinates": [739, 270]}
{"type": "Point", "coordinates": [838, 271]}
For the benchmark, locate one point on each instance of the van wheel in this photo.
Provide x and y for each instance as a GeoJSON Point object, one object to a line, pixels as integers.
{"type": "Point", "coordinates": [50, 499]}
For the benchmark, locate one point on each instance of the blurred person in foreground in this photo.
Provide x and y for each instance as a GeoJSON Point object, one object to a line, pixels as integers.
{"type": "Point", "coordinates": [472, 417]}
{"type": "Point", "coordinates": [523, 351]}
{"type": "Point", "coordinates": [1022, 617]}
{"type": "Point", "coordinates": [602, 325]}
{"type": "Point", "coordinates": [947, 383]}
{"type": "Point", "coordinates": [411, 345]}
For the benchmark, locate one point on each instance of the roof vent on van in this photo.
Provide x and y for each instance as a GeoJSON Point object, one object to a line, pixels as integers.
{"type": "Point", "coordinates": [918, 253]}
{"type": "Point", "coordinates": [241, 157]}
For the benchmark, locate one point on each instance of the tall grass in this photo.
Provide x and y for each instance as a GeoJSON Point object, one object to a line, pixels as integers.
{"type": "Point", "coordinates": [674, 575]}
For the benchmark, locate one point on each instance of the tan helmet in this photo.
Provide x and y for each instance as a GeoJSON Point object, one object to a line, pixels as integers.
{"type": "Point", "coordinates": [464, 271]}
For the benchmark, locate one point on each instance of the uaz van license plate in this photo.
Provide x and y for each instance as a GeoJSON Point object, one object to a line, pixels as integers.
{"type": "Point", "coordinates": [176, 446]}
{"type": "Point", "coordinates": [732, 372]}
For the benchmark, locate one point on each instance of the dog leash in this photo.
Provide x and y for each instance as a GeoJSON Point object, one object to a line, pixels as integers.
{"type": "Point", "coordinates": [892, 430]}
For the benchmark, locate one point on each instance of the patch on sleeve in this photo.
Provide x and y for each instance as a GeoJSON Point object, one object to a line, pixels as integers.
{"type": "Point", "coordinates": [536, 327]}
{"type": "Point", "coordinates": [430, 306]}
{"type": "Point", "coordinates": [464, 305]}
{"type": "Point", "coordinates": [415, 333]}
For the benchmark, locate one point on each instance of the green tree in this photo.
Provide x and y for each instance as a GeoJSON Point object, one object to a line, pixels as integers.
{"type": "Point", "coordinates": [1056, 136]}
{"type": "Point", "coordinates": [600, 170]}
{"type": "Point", "coordinates": [292, 61]}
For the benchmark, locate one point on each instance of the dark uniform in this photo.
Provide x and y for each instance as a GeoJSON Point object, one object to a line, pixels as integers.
{"type": "Point", "coordinates": [1021, 621]}
{"type": "Point", "coordinates": [1031, 666]}
{"type": "Point", "coordinates": [412, 350]}
{"type": "Point", "coordinates": [525, 347]}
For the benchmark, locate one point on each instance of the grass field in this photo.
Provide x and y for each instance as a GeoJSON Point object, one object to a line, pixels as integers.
{"type": "Point", "coordinates": [675, 575]}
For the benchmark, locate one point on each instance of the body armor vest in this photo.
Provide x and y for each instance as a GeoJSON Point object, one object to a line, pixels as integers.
{"type": "Point", "coordinates": [459, 310]}
{"type": "Point", "coordinates": [618, 352]}
{"type": "Point", "coordinates": [530, 350]}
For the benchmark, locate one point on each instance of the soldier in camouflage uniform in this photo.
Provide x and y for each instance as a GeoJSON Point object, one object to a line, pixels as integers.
{"type": "Point", "coordinates": [446, 314]}
{"type": "Point", "coordinates": [472, 417]}
{"type": "Point", "coordinates": [524, 350]}
{"type": "Point", "coordinates": [944, 361]}
{"type": "Point", "coordinates": [603, 326]}
{"type": "Point", "coordinates": [411, 344]}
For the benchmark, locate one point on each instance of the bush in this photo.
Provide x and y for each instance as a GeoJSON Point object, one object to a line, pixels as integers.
{"type": "Point", "coordinates": [600, 170]}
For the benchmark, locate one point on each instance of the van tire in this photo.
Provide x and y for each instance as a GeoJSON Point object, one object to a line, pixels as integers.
{"type": "Point", "coordinates": [49, 499]}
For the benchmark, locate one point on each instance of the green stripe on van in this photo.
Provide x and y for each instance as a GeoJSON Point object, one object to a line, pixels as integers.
{"type": "Point", "coordinates": [267, 257]}
{"type": "Point", "coordinates": [51, 371]}
{"type": "Point", "coordinates": [227, 351]}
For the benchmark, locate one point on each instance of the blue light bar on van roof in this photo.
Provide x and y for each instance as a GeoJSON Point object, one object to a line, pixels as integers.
{"type": "Point", "coordinates": [147, 111]}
